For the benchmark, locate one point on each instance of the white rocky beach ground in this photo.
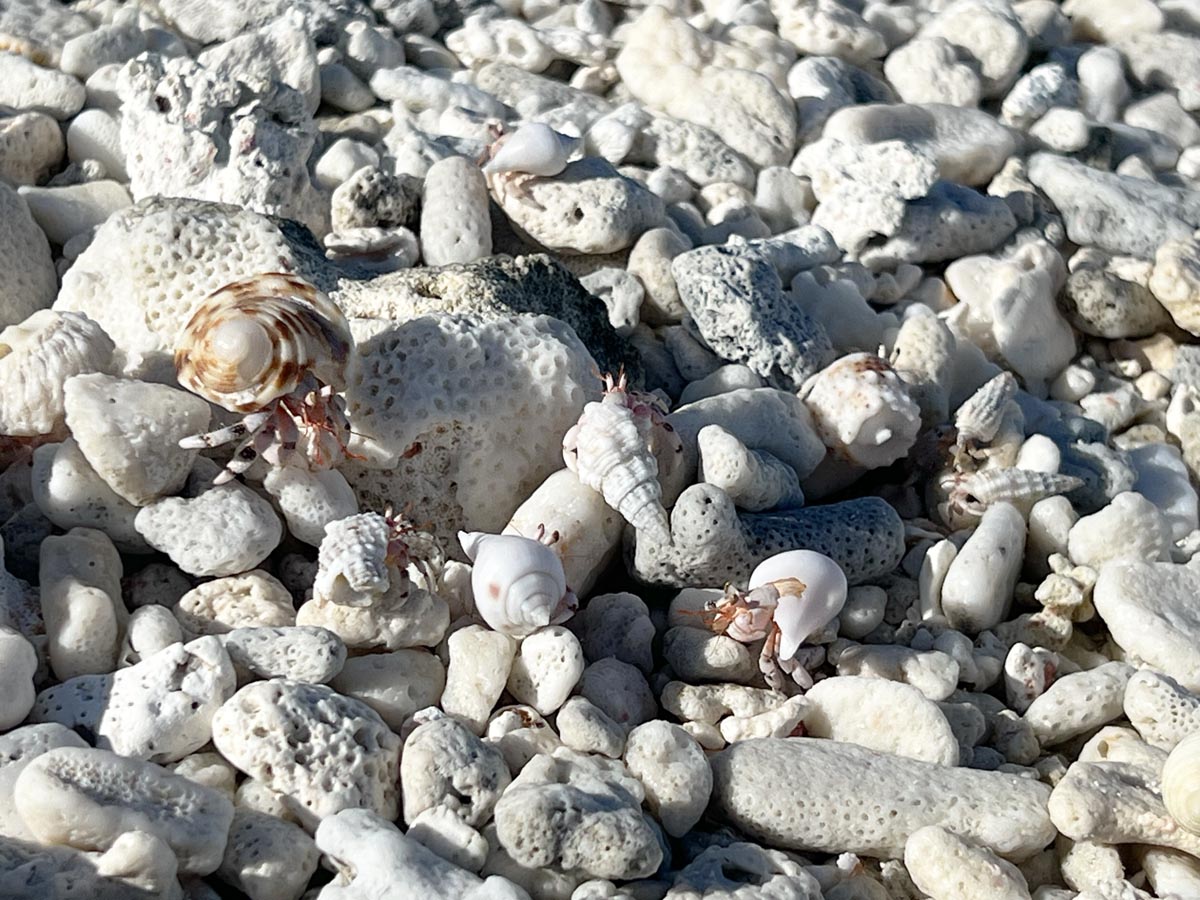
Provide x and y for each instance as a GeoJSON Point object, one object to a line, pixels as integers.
{"type": "Point", "coordinates": [334, 567]}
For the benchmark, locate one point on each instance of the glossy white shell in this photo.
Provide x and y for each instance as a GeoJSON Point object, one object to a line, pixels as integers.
{"type": "Point", "coordinates": [801, 615]}
{"type": "Point", "coordinates": [610, 449]}
{"type": "Point", "coordinates": [352, 565]}
{"type": "Point", "coordinates": [1181, 783]}
{"type": "Point", "coordinates": [256, 340]}
{"type": "Point", "coordinates": [518, 583]}
{"type": "Point", "coordinates": [534, 149]}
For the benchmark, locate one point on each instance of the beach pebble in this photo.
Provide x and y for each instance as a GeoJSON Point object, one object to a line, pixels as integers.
{"type": "Point", "coordinates": [239, 529]}
{"type": "Point", "coordinates": [149, 629]}
{"type": "Point", "coordinates": [160, 709]}
{"type": "Point", "coordinates": [395, 684]}
{"type": "Point", "coordinates": [616, 625]}
{"type": "Point", "coordinates": [882, 715]}
{"type": "Point", "coordinates": [1129, 528]}
{"type": "Point", "coordinates": [80, 576]}
{"type": "Point", "coordinates": [480, 663]}
{"type": "Point", "coordinates": [30, 285]}
{"type": "Point", "coordinates": [121, 795]}
{"type": "Point", "coordinates": [71, 210]}
{"type": "Point", "coordinates": [71, 494]}
{"type": "Point", "coordinates": [674, 772]}
{"type": "Point", "coordinates": [588, 208]}
{"type": "Point", "coordinates": [620, 691]}
{"type": "Point", "coordinates": [253, 599]}
{"type": "Point", "coordinates": [31, 147]}
{"type": "Point", "coordinates": [310, 500]}
{"type": "Point", "coordinates": [878, 791]}
{"type": "Point", "coordinates": [978, 588]}
{"type": "Point", "coordinates": [578, 813]}
{"type": "Point", "coordinates": [445, 766]}
{"type": "Point", "coordinates": [296, 653]}
{"type": "Point", "coordinates": [586, 728]}
{"type": "Point", "coordinates": [267, 858]}
{"type": "Point", "coordinates": [322, 751]}
{"type": "Point", "coordinates": [18, 748]}
{"type": "Point", "coordinates": [1146, 608]}
{"type": "Point", "coordinates": [450, 837]}
{"type": "Point", "coordinates": [95, 134]}
{"type": "Point", "coordinates": [18, 663]}
{"type": "Point", "coordinates": [546, 668]}
{"type": "Point", "coordinates": [988, 32]}
{"type": "Point", "coordinates": [28, 87]}
{"type": "Point", "coordinates": [943, 865]}
{"type": "Point", "coordinates": [932, 672]}
{"type": "Point", "coordinates": [380, 857]}
{"type": "Point", "coordinates": [1175, 281]}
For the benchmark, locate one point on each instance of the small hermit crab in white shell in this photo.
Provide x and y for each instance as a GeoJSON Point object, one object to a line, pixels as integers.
{"type": "Point", "coordinates": [968, 495]}
{"type": "Point", "coordinates": [531, 151]}
{"type": "Point", "coordinates": [790, 597]}
{"type": "Point", "coordinates": [618, 448]}
{"type": "Point", "coordinates": [363, 556]}
{"type": "Point", "coordinates": [276, 348]}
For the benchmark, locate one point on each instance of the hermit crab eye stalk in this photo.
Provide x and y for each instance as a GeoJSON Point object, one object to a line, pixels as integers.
{"type": "Point", "coordinates": [276, 348]}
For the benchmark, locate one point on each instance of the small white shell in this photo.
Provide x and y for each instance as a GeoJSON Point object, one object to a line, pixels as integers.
{"type": "Point", "coordinates": [1181, 783]}
{"type": "Point", "coordinates": [862, 410]}
{"type": "Point", "coordinates": [534, 149]}
{"type": "Point", "coordinates": [37, 357]}
{"type": "Point", "coordinates": [518, 583]}
{"type": "Point", "coordinates": [352, 567]}
{"type": "Point", "coordinates": [610, 450]}
{"type": "Point", "coordinates": [801, 615]}
{"type": "Point", "coordinates": [256, 340]}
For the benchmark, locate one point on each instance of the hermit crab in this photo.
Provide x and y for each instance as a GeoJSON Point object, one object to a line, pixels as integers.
{"type": "Point", "coordinates": [363, 556]}
{"type": "Point", "coordinates": [531, 151]}
{"type": "Point", "coordinates": [789, 597]}
{"type": "Point", "coordinates": [276, 348]}
{"type": "Point", "coordinates": [618, 448]}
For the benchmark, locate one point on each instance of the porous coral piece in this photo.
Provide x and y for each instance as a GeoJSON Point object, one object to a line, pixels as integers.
{"type": "Point", "coordinates": [446, 766]}
{"type": "Point", "coordinates": [89, 799]}
{"type": "Point", "coordinates": [322, 751]}
{"type": "Point", "coordinates": [713, 544]}
{"type": "Point", "coordinates": [465, 386]}
{"type": "Point", "coordinates": [159, 710]}
{"type": "Point", "coordinates": [736, 305]}
{"type": "Point", "coordinates": [866, 802]}
{"type": "Point", "coordinates": [29, 284]}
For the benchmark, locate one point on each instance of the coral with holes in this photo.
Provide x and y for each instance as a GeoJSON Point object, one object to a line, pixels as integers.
{"type": "Point", "coordinates": [445, 766]}
{"type": "Point", "coordinates": [119, 794]}
{"type": "Point", "coordinates": [192, 131]}
{"type": "Point", "coordinates": [737, 306]}
{"type": "Point", "coordinates": [435, 396]}
{"type": "Point", "coordinates": [323, 752]}
{"type": "Point", "coordinates": [1162, 711]}
{"type": "Point", "coordinates": [712, 543]}
{"type": "Point", "coordinates": [494, 288]}
{"type": "Point", "coordinates": [162, 257]}
{"type": "Point", "coordinates": [866, 802]}
{"type": "Point", "coordinates": [160, 709]}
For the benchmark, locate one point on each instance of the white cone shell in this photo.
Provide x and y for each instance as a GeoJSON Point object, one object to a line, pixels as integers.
{"type": "Point", "coordinates": [535, 149]}
{"type": "Point", "coordinates": [518, 583]}
{"type": "Point", "coordinates": [824, 595]}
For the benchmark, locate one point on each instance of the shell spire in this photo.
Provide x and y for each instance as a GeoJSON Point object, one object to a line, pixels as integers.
{"type": "Point", "coordinates": [258, 339]}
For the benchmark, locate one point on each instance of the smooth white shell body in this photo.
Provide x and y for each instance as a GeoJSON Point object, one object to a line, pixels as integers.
{"type": "Point", "coordinates": [799, 616]}
{"type": "Point", "coordinates": [610, 449]}
{"type": "Point", "coordinates": [352, 565]}
{"type": "Point", "coordinates": [518, 583]}
{"type": "Point", "coordinates": [1181, 783]}
{"type": "Point", "coordinates": [534, 149]}
{"type": "Point", "coordinates": [256, 340]}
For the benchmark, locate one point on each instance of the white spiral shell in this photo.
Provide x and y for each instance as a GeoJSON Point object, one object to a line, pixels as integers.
{"type": "Point", "coordinates": [534, 149]}
{"type": "Point", "coordinates": [1181, 783]}
{"type": "Point", "coordinates": [352, 567]}
{"type": "Point", "coordinates": [800, 615]}
{"type": "Point", "coordinates": [862, 410]}
{"type": "Point", "coordinates": [37, 357]}
{"type": "Point", "coordinates": [610, 449]}
{"type": "Point", "coordinates": [255, 340]}
{"type": "Point", "coordinates": [518, 583]}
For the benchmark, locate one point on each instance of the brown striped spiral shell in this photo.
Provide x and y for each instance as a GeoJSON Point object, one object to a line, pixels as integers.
{"type": "Point", "coordinates": [256, 340]}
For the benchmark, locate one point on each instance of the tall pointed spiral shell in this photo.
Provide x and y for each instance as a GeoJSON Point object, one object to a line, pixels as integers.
{"type": "Point", "coordinates": [610, 450]}
{"type": "Point", "coordinates": [255, 340]}
{"type": "Point", "coordinates": [518, 583]}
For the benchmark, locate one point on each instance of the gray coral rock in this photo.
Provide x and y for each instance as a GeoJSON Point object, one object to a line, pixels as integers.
{"type": "Point", "coordinates": [712, 543]}
{"type": "Point", "coordinates": [737, 306]}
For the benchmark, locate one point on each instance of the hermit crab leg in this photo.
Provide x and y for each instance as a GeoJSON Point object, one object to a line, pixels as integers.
{"type": "Point", "coordinates": [248, 426]}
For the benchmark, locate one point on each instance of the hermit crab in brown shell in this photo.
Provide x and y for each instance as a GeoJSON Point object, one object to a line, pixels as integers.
{"type": "Point", "coordinates": [276, 348]}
